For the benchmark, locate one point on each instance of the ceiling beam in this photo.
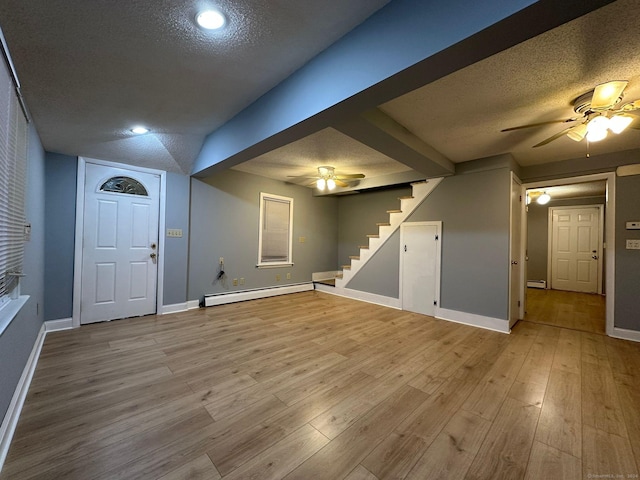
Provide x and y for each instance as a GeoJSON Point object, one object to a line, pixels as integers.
{"type": "Point", "coordinates": [403, 46]}
{"type": "Point", "coordinates": [379, 131]}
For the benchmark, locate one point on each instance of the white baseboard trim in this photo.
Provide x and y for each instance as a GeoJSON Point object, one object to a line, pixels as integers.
{"type": "Point", "coordinates": [193, 304]}
{"type": "Point", "coordinates": [319, 276]}
{"type": "Point", "coordinates": [175, 308]}
{"type": "Point", "coordinates": [625, 334]}
{"type": "Point", "coordinates": [17, 401]}
{"type": "Point", "coordinates": [224, 298]}
{"type": "Point", "coordinates": [362, 296]}
{"type": "Point", "coordinates": [489, 323]}
{"type": "Point", "coordinates": [536, 283]}
{"type": "Point", "coordinates": [57, 325]}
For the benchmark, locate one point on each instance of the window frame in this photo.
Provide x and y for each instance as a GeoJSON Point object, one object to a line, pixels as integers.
{"type": "Point", "coordinates": [265, 197]}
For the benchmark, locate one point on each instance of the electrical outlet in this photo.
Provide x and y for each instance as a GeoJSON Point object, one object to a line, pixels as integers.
{"type": "Point", "coordinates": [221, 261]}
{"type": "Point", "coordinates": [242, 281]}
{"type": "Point", "coordinates": [174, 232]}
{"type": "Point", "coordinates": [277, 277]}
{"type": "Point", "coordinates": [235, 282]}
{"type": "Point", "coordinates": [288, 276]}
{"type": "Point", "coordinates": [302, 239]}
{"type": "Point", "coordinates": [633, 244]}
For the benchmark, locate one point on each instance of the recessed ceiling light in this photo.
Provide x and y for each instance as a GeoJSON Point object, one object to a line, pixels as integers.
{"type": "Point", "coordinates": [210, 19]}
{"type": "Point", "coordinates": [139, 130]}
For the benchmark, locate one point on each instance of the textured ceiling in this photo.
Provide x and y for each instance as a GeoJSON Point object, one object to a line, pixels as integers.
{"type": "Point", "coordinates": [461, 115]}
{"type": "Point", "coordinates": [91, 69]}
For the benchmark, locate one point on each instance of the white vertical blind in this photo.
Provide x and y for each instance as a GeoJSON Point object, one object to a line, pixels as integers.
{"type": "Point", "coordinates": [13, 161]}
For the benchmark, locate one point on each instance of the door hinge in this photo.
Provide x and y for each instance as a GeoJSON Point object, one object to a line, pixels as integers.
{"type": "Point", "coordinates": [520, 198]}
{"type": "Point", "coordinates": [435, 302]}
{"type": "Point", "coordinates": [518, 302]}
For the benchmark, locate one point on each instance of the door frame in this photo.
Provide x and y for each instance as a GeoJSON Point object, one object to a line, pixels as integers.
{"type": "Point", "coordinates": [438, 225]}
{"type": "Point", "coordinates": [609, 244]}
{"type": "Point", "coordinates": [80, 199]}
{"type": "Point", "coordinates": [521, 256]}
{"type": "Point", "coordinates": [601, 237]}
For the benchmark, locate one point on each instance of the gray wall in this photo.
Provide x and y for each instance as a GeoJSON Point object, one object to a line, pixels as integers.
{"type": "Point", "coordinates": [627, 304]}
{"type": "Point", "coordinates": [17, 341]}
{"type": "Point", "coordinates": [176, 249]}
{"type": "Point", "coordinates": [538, 233]}
{"type": "Point", "coordinates": [60, 226]}
{"type": "Point", "coordinates": [358, 215]}
{"type": "Point", "coordinates": [474, 210]}
{"type": "Point", "coordinates": [224, 223]}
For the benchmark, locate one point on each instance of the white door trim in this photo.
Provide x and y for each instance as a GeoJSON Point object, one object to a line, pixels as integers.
{"type": "Point", "coordinates": [609, 232]}
{"type": "Point", "coordinates": [77, 264]}
{"type": "Point", "coordinates": [600, 208]}
{"type": "Point", "coordinates": [438, 225]}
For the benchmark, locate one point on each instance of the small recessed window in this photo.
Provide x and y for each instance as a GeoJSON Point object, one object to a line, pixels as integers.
{"type": "Point", "coordinates": [276, 231]}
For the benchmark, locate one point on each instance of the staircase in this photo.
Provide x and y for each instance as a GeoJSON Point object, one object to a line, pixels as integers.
{"type": "Point", "coordinates": [419, 192]}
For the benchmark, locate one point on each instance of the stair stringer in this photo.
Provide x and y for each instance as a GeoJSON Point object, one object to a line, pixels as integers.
{"type": "Point", "coordinates": [420, 191]}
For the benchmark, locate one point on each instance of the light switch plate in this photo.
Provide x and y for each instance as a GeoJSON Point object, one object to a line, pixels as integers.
{"type": "Point", "coordinates": [633, 225]}
{"type": "Point", "coordinates": [174, 232]}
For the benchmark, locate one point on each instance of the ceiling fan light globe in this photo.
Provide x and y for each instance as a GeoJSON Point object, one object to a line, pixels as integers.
{"type": "Point", "coordinates": [618, 123]}
{"type": "Point", "coordinates": [543, 199]}
{"type": "Point", "coordinates": [597, 129]}
{"type": "Point", "coordinates": [321, 183]}
{"type": "Point", "coordinates": [331, 184]}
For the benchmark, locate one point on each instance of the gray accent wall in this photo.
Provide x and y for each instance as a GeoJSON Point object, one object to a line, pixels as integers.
{"type": "Point", "coordinates": [627, 302]}
{"type": "Point", "coordinates": [176, 254]}
{"type": "Point", "coordinates": [60, 226]}
{"type": "Point", "coordinates": [17, 341]}
{"type": "Point", "coordinates": [358, 215]}
{"type": "Point", "coordinates": [224, 223]}
{"type": "Point", "coordinates": [538, 233]}
{"type": "Point", "coordinates": [381, 274]}
{"type": "Point", "coordinates": [474, 210]}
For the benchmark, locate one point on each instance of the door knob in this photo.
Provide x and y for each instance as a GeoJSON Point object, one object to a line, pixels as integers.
{"type": "Point", "coordinates": [595, 257]}
{"type": "Point", "coordinates": [153, 246]}
{"type": "Point", "coordinates": [153, 255]}
{"type": "Point", "coordinates": [514, 262]}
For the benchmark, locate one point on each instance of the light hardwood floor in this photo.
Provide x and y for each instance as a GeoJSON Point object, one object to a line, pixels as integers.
{"type": "Point", "coordinates": [578, 311]}
{"type": "Point", "coordinates": [312, 386]}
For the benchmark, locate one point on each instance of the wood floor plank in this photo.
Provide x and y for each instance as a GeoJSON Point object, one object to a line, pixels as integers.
{"type": "Point", "coordinates": [237, 391]}
{"type": "Point", "coordinates": [549, 462]}
{"type": "Point", "coordinates": [607, 454]}
{"type": "Point", "coordinates": [451, 453]}
{"type": "Point", "coordinates": [199, 469]}
{"type": "Point", "coordinates": [505, 451]}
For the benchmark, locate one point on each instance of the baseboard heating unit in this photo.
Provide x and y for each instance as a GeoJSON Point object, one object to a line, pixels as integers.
{"type": "Point", "coordinates": [537, 283]}
{"type": "Point", "coordinates": [253, 294]}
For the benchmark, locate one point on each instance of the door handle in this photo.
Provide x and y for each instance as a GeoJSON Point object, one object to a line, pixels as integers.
{"type": "Point", "coordinates": [153, 255]}
{"type": "Point", "coordinates": [153, 246]}
{"type": "Point", "coordinates": [595, 257]}
{"type": "Point", "coordinates": [514, 262]}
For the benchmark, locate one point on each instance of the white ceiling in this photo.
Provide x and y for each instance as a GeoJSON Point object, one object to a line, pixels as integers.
{"type": "Point", "coordinates": [89, 71]}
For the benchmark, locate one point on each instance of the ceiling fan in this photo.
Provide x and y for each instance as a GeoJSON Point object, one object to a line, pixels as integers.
{"type": "Point", "coordinates": [601, 110]}
{"type": "Point", "coordinates": [328, 179]}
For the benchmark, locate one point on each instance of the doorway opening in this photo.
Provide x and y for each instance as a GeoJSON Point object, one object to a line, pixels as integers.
{"type": "Point", "coordinates": [568, 225]}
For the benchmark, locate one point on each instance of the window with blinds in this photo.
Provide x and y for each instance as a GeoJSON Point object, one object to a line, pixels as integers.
{"type": "Point", "coordinates": [276, 230]}
{"type": "Point", "coordinates": [13, 162]}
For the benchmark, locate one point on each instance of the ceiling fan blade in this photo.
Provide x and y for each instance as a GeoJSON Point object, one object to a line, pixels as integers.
{"type": "Point", "coordinates": [553, 137]}
{"type": "Point", "coordinates": [351, 175]}
{"type": "Point", "coordinates": [606, 95]}
{"type": "Point", "coordinates": [301, 177]}
{"type": "Point", "coordinates": [539, 124]}
{"type": "Point", "coordinates": [340, 183]}
{"type": "Point", "coordinates": [631, 106]}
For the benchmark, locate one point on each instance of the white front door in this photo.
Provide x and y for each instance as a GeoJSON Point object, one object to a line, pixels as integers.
{"type": "Point", "coordinates": [575, 248]}
{"type": "Point", "coordinates": [419, 266]}
{"type": "Point", "coordinates": [120, 239]}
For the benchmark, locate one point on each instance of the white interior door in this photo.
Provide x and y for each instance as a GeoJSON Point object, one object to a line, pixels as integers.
{"type": "Point", "coordinates": [515, 245]}
{"type": "Point", "coordinates": [420, 266]}
{"type": "Point", "coordinates": [575, 248]}
{"type": "Point", "coordinates": [119, 251]}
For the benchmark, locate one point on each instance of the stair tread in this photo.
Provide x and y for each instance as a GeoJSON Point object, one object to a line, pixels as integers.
{"type": "Point", "coordinates": [407, 197]}
{"type": "Point", "coordinates": [373, 235]}
{"type": "Point", "coordinates": [346, 267]}
{"type": "Point", "coordinates": [419, 183]}
{"type": "Point", "coordinates": [383, 224]}
{"type": "Point", "coordinates": [354, 257]}
{"type": "Point", "coordinates": [394, 211]}
{"type": "Point", "coordinates": [363, 247]}
{"type": "Point", "coordinates": [339, 275]}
